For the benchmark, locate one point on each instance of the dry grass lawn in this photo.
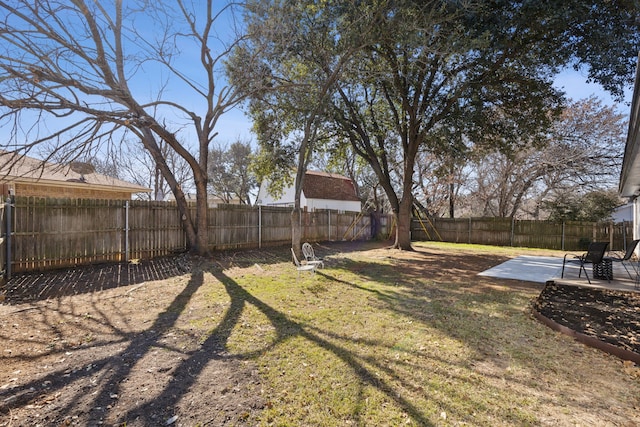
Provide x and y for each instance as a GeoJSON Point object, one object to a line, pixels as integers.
{"type": "Point", "coordinates": [377, 338]}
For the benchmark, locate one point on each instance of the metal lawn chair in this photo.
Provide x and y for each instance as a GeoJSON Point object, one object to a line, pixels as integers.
{"type": "Point", "coordinates": [302, 267]}
{"type": "Point", "coordinates": [310, 256]}
{"type": "Point", "coordinates": [627, 256]}
{"type": "Point", "coordinates": [594, 255]}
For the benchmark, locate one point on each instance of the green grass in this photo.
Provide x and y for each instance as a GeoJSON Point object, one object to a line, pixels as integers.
{"type": "Point", "coordinates": [364, 342]}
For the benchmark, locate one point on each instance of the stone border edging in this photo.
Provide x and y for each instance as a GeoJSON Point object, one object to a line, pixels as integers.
{"type": "Point", "coordinates": [587, 340]}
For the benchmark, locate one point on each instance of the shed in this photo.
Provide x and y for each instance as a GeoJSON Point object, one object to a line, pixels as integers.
{"type": "Point", "coordinates": [320, 190]}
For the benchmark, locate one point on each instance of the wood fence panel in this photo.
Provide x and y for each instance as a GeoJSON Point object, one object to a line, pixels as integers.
{"type": "Point", "coordinates": [276, 225]}
{"type": "Point", "coordinates": [537, 234]}
{"type": "Point", "coordinates": [53, 233]}
{"type": "Point", "coordinates": [456, 230]}
{"type": "Point", "coordinates": [233, 226]}
{"type": "Point", "coordinates": [491, 231]}
{"type": "Point", "coordinates": [155, 229]}
{"type": "Point", "coordinates": [386, 227]}
{"type": "Point", "coordinates": [362, 227]}
{"type": "Point", "coordinates": [353, 226]}
{"type": "Point", "coordinates": [577, 235]}
{"type": "Point", "coordinates": [332, 226]}
{"type": "Point", "coordinates": [50, 233]}
{"type": "Point", "coordinates": [3, 244]}
{"type": "Point", "coordinates": [314, 226]}
{"type": "Point", "coordinates": [623, 235]}
{"type": "Point", "coordinates": [570, 236]}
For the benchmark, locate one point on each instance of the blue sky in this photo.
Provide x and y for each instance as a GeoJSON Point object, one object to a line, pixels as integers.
{"type": "Point", "coordinates": [234, 125]}
{"type": "Point", "coordinates": [575, 85]}
{"type": "Point", "coordinates": [148, 80]}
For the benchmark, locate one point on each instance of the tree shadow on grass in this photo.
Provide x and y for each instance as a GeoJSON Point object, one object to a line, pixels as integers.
{"type": "Point", "coordinates": [115, 371]}
{"type": "Point", "coordinates": [470, 310]}
{"type": "Point", "coordinates": [287, 328]}
{"type": "Point", "coordinates": [95, 385]}
{"type": "Point", "coordinates": [29, 287]}
{"type": "Point", "coordinates": [37, 286]}
{"type": "Point", "coordinates": [108, 373]}
{"type": "Point", "coordinates": [214, 346]}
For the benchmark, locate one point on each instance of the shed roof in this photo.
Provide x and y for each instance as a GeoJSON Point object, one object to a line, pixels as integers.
{"type": "Point", "coordinates": [328, 186]}
{"type": "Point", "coordinates": [24, 169]}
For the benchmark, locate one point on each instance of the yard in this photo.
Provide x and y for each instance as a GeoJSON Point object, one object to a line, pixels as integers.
{"type": "Point", "coordinates": [378, 337]}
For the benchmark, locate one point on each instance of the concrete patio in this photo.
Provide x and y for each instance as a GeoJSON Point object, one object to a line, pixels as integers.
{"type": "Point", "coordinates": [541, 269]}
{"type": "Point", "coordinates": [620, 281]}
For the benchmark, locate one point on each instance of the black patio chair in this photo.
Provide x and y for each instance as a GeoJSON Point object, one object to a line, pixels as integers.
{"type": "Point", "coordinates": [594, 255]}
{"type": "Point", "coordinates": [627, 256]}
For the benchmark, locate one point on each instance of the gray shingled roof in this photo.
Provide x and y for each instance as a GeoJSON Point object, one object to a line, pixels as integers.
{"type": "Point", "coordinates": [28, 169]}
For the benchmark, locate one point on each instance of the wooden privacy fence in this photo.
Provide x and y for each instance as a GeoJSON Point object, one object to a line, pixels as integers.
{"type": "Point", "coordinates": [53, 233]}
{"type": "Point", "coordinates": [567, 236]}
{"type": "Point", "coordinates": [41, 233]}
{"type": "Point", "coordinates": [3, 245]}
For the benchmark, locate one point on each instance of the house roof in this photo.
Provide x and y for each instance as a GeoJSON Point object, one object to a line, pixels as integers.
{"type": "Point", "coordinates": [630, 174]}
{"type": "Point", "coordinates": [26, 169]}
{"type": "Point", "coordinates": [328, 186]}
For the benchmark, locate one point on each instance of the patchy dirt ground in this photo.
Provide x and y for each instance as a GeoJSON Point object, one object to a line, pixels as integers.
{"type": "Point", "coordinates": [76, 342]}
{"type": "Point", "coordinates": [109, 345]}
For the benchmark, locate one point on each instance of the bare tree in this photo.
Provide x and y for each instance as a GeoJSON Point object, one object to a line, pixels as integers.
{"type": "Point", "coordinates": [438, 181]}
{"type": "Point", "coordinates": [582, 152]}
{"type": "Point", "coordinates": [136, 165]}
{"type": "Point", "coordinates": [78, 76]}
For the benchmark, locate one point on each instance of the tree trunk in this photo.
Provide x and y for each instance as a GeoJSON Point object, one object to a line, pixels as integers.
{"type": "Point", "coordinates": [189, 227]}
{"type": "Point", "coordinates": [451, 200]}
{"type": "Point", "coordinates": [403, 239]}
{"type": "Point", "coordinates": [202, 213]}
{"type": "Point", "coordinates": [403, 232]}
{"type": "Point", "coordinates": [296, 231]}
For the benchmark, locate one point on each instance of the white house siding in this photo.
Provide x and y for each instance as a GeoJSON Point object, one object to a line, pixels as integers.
{"type": "Point", "coordinates": [339, 205]}
{"type": "Point", "coordinates": [636, 220]}
{"type": "Point", "coordinates": [623, 213]}
{"type": "Point", "coordinates": [630, 175]}
{"type": "Point", "coordinates": [287, 198]}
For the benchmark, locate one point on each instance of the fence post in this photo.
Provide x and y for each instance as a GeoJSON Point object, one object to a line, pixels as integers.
{"type": "Point", "coordinates": [611, 236]}
{"type": "Point", "coordinates": [259, 226]}
{"type": "Point", "coordinates": [126, 231]}
{"type": "Point", "coordinates": [513, 223]}
{"type": "Point", "coordinates": [8, 237]}
{"type": "Point", "coordinates": [562, 240]}
{"type": "Point", "coordinates": [469, 230]}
